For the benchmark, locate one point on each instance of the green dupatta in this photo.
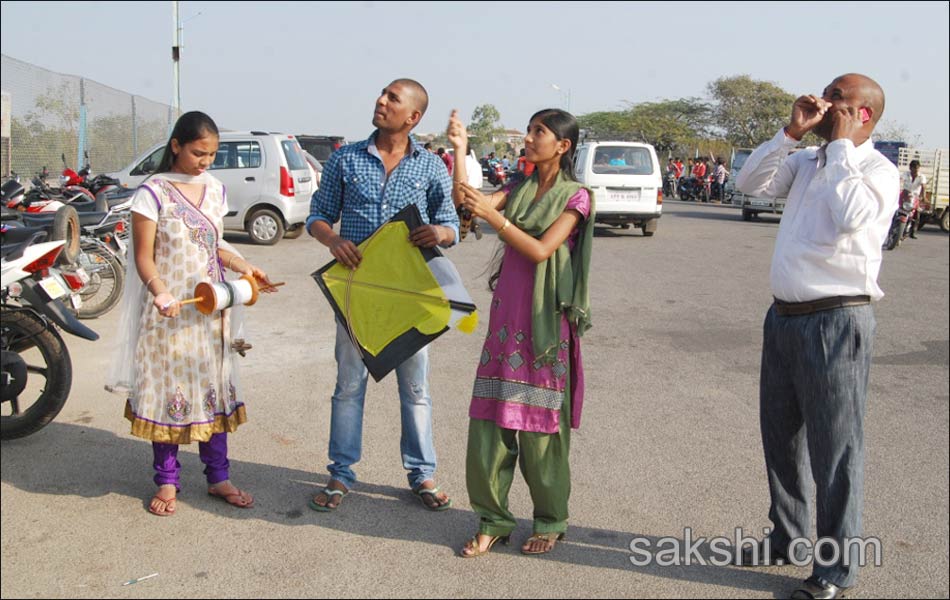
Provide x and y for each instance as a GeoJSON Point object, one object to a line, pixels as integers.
{"type": "Point", "coordinates": [560, 282]}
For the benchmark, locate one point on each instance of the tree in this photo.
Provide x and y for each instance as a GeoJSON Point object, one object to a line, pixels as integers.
{"type": "Point", "coordinates": [485, 127]}
{"type": "Point", "coordinates": [748, 111]}
{"type": "Point", "coordinates": [666, 125]}
{"type": "Point", "coordinates": [896, 132]}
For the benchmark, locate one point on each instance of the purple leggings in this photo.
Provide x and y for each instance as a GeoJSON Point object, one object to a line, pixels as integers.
{"type": "Point", "coordinates": [213, 453]}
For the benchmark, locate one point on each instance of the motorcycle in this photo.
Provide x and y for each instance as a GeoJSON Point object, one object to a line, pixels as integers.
{"type": "Point", "coordinates": [906, 214]}
{"type": "Point", "coordinates": [35, 366]}
{"type": "Point", "coordinates": [669, 185]}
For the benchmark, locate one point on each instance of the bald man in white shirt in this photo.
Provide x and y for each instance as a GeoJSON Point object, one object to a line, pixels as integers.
{"type": "Point", "coordinates": [816, 351]}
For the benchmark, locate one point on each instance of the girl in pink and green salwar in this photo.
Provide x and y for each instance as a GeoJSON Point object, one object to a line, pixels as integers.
{"type": "Point", "coordinates": [529, 382]}
{"type": "Point", "coordinates": [174, 364]}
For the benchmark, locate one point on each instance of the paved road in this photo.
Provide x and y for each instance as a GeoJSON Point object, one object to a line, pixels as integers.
{"type": "Point", "coordinates": [669, 440]}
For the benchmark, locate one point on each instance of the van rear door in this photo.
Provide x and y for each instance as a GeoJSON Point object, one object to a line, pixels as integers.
{"type": "Point", "coordinates": [627, 178]}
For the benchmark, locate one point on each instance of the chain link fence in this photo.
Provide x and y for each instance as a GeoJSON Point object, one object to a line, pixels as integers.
{"type": "Point", "coordinates": [52, 116]}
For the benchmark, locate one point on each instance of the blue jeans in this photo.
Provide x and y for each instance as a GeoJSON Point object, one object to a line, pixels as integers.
{"type": "Point", "coordinates": [812, 400]}
{"type": "Point", "coordinates": [346, 420]}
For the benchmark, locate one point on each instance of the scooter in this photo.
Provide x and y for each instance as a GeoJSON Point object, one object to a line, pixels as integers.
{"type": "Point", "coordinates": [35, 367]}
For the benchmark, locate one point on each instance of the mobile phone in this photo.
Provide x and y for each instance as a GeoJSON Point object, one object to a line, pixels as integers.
{"type": "Point", "coordinates": [865, 115]}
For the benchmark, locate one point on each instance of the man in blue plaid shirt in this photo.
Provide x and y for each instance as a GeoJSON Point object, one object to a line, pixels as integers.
{"type": "Point", "coordinates": [363, 186]}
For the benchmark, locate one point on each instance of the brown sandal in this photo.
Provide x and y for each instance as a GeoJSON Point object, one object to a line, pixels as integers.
{"type": "Point", "coordinates": [238, 498]}
{"type": "Point", "coordinates": [549, 538]}
{"type": "Point", "coordinates": [473, 545]}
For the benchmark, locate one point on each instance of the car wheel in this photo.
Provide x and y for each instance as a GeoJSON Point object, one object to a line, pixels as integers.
{"type": "Point", "coordinates": [265, 227]}
{"type": "Point", "coordinates": [747, 215]}
{"type": "Point", "coordinates": [945, 220]}
{"type": "Point", "coordinates": [292, 234]}
{"type": "Point", "coordinates": [649, 228]}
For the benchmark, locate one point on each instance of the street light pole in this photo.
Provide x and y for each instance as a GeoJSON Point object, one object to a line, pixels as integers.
{"type": "Point", "coordinates": [557, 88]}
{"type": "Point", "coordinates": [176, 54]}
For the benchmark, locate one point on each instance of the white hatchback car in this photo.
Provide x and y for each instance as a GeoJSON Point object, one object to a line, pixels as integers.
{"type": "Point", "coordinates": [626, 180]}
{"type": "Point", "coordinates": [267, 178]}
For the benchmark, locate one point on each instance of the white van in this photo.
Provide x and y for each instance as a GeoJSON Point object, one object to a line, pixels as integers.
{"type": "Point", "coordinates": [626, 180]}
{"type": "Point", "coordinates": [267, 179]}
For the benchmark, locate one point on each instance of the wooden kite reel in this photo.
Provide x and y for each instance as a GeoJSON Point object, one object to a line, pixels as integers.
{"type": "Point", "coordinates": [210, 297]}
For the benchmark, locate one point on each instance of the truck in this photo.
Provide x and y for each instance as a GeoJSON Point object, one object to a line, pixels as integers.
{"type": "Point", "coordinates": [933, 166]}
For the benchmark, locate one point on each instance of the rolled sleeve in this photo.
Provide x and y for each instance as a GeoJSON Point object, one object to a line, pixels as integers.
{"type": "Point", "coordinates": [326, 204]}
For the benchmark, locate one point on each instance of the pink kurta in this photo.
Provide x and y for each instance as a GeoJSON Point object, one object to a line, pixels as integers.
{"type": "Point", "coordinates": [512, 388]}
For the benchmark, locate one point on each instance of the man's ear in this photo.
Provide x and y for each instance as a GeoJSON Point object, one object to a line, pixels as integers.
{"type": "Point", "coordinates": [414, 118]}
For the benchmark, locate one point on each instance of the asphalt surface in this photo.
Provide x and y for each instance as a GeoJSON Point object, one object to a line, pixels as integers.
{"type": "Point", "coordinates": [669, 441]}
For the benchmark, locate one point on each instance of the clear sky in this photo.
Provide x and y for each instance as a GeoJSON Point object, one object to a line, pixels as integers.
{"type": "Point", "coordinates": [317, 68]}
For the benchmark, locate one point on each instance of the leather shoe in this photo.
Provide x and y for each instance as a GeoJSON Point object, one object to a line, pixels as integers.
{"type": "Point", "coordinates": [818, 588]}
{"type": "Point", "coordinates": [756, 556]}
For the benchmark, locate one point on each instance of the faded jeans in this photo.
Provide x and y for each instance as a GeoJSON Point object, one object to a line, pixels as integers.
{"type": "Point", "coordinates": [812, 400]}
{"type": "Point", "coordinates": [346, 420]}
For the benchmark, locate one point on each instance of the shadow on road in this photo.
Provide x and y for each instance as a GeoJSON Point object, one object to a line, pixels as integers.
{"type": "Point", "coordinates": [92, 463]}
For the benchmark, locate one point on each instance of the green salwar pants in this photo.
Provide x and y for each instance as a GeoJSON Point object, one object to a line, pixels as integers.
{"type": "Point", "coordinates": [543, 458]}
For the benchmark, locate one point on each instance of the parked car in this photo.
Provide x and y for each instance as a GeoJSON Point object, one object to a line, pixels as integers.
{"type": "Point", "coordinates": [268, 182]}
{"type": "Point", "coordinates": [626, 180]}
{"type": "Point", "coordinates": [753, 206]}
{"type": "Point", "coordinates": [321, 146]}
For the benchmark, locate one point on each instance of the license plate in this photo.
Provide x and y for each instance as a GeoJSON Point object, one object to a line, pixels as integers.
{"type": "Point", "coordinates": [624, 196]}
{"type": "Point", "coordinates": [83, 276]}
{"type": "Point", "coordinates": [53, 287]}
{"type": "Point", "coordinates": [761, 203]}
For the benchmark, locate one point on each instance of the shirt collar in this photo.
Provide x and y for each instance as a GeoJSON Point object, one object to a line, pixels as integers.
{"type": "Point", "coordinates": [373, 150]}
{"type": "Point", "coordinates": [860, 152]}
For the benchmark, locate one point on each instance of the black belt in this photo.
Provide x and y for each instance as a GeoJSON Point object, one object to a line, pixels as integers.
{"type": "Point", "coordinates": [791, 309]}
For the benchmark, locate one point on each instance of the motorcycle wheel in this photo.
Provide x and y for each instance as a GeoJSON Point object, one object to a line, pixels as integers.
{"type": "Point", "coordinates": [28, 342]}
{"type": "Point", "coordinates": [893, 237]}
{"type": "Point", "coordinates": [66, 227]}
{"type": "Point", "coordinates": [106, 283]}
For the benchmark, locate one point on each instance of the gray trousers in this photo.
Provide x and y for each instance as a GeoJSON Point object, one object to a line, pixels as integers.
{"type": "Point", "coordinates": [812, 400]}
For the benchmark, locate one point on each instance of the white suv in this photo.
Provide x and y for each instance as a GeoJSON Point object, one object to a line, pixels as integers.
{"type": "Point", "coordinates": [626, 181]}
{"type": "Point", "coordinates": [266, 176]}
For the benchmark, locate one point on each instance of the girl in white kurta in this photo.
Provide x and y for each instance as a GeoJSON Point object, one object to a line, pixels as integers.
{"type": "Point", "coordinates": [181, 383]}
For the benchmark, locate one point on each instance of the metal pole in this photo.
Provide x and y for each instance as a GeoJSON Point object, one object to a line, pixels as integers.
{"type": "Point", "coordinates": [176, 53]}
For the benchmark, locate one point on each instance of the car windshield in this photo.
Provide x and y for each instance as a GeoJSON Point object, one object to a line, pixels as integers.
{"type": "Point", "coordinates": [739, 159]}
{"type": "Point", "coordinates": [294, 154]}
{"type": "Point", "coordinates": [622, 160]}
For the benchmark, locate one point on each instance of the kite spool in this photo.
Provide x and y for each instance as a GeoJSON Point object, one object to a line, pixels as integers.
{"type": "Point", "coordinates": [210, 297]}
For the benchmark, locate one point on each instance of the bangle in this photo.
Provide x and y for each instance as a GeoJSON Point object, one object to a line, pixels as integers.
{"type": "Point", "coordinates": [231, 261]}
{"type": "Point", "coordinates": [504, 227]}
{"type": "Point", "coordinates": [149, 282]}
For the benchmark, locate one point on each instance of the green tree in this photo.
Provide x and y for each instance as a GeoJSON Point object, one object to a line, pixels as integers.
{"type": "Point", "coordinates": [485, 127]}
{"type": "Point", "coordinates": [747, 111]}
{"type": "Point", "coordinates": [667, 125]}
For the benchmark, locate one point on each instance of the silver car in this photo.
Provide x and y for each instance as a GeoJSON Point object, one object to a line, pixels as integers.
{"type": "Point", "coordinates": [266, 176]}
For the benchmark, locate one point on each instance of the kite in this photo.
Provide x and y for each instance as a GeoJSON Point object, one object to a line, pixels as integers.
{"type": "Point", "coordinates": [399, 298]}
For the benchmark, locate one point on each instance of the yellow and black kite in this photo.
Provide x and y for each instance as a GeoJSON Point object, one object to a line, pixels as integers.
{"type": "Point", "coordinates": [400, 297]}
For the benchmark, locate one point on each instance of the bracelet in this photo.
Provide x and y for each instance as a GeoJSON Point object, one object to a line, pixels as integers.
{"type": "Point", "coordinates": [149, 282]}
{"type": "Point", "coordinates": [504, 227]}
{"type": "Point", "coordinates": [231, 260]}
